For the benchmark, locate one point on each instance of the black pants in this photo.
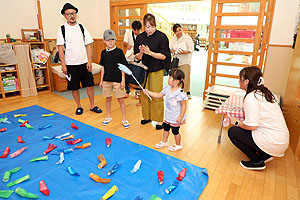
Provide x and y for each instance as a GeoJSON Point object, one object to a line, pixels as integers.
{"type": "Point", "coordinates": [243, 140]}
{"type": "Point", "coordinates": [167, 127]}
{"type": "Point", "coordinates": [79, 73]}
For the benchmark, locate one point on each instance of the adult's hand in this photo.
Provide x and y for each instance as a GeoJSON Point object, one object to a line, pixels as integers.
{"type": "Point", "coordinates": [89, 66]}
{"type": "Point", "coordinates": [129, 47]}
{"type": "Point", "coordinates": [101, 84]}
{"type": "Point", "coordinates": [146, 49]}
{"type": "Point", "coordinates": [64, 69]}
{"type": "Point", "coordinates": [232, 120]}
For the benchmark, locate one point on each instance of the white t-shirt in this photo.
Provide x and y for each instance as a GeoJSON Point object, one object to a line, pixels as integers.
{"type": "Point", "coordinates": [272, 135]}
{"type": "Point", "coordinates": [172, 104]}
{"type": "Point", "coordinates": [75, 52]}
{"type": "Point", "coordinates": [129, 53]}
{"type": "Point", "coordinates": [185, 43]}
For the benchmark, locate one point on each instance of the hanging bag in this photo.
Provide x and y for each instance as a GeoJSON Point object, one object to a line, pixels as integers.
{"type": "Point", "coordinates": [174, 62]}
{"type": "Point", "coordinates": [138, 71]}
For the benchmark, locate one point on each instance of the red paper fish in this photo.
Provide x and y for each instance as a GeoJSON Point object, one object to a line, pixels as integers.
{"type": "Point", "coordinates": [181, 174]}
{"type": "Point", "coordinates": [160, 175]}
{"type": "Point", "coordinates": [20, 140]}
{"type": "Point", "coordinates": [50, 148]}
{"type": "Point", "coordinates": [5, 153]}
{"type": "Point", "coordinates": [74, 141]}
{"type": "Point", "coordinates": [3, 129]}
{"type": "Point", "coordinates": [43, 188]}
{"type": "Point", "coordinates": [74, 126]}
{"type": "Point", "coordinates": [108, 142]}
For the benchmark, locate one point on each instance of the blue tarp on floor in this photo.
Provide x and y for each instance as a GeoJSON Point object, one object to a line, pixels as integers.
{"type": "Point", "coordinates": [62, 185]}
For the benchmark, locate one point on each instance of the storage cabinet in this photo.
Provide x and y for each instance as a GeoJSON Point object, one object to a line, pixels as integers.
{"type": "Point", "coordinates": [9, 73]}
{"type": "Point", "coordinates": [40, 71]}
{"type": "Point", "coordinates": [9, 80]}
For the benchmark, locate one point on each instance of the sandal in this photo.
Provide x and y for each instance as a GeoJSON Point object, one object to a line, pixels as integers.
{"type": "Point", "coordinates": [79, 111]}
{"type": "Point", "coordinates": [106, 121]}
{"type": "Point", "coordinates": [125, 124]}
{"type": "Point", "coordinates": [159, 126]}
{"type": "Point", "coordinates": [145, 121]}
{"type": "Point", "coordinates": [175, 147]}
{"type": "Point", "coordinates": [96, 109]}
{"type": "Point", "coordinates": [161, 144]}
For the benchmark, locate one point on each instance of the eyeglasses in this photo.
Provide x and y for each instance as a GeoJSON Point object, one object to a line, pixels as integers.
{"type": "Point", "coordinates": [71, 14]}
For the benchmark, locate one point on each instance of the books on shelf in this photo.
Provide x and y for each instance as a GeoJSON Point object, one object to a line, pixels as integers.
{"type": "Point", "coordinates": [9, 88]}
{"type": "Point", "coordinates": [10, 83]}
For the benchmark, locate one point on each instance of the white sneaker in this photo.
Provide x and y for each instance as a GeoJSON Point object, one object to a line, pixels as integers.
{"type": "Point", "coordinates": [154, 123]}
{"type": "Point", "coordinates": [161, 144]}
{"type": "Point", "coordinates": [175, 147]}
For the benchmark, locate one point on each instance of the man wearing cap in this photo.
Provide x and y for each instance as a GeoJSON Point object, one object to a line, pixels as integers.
{"type": "Point", "coordinates": [76, 61]}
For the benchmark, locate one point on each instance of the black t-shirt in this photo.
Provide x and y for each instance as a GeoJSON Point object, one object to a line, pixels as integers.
{"type": "Point", "coordinates": [158, 43]}
{"type": "Point", "coordinates": [110, 60]}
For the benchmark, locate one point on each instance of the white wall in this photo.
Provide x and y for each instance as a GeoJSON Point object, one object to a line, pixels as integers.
{"type": "Point", "coordinates": [93, 14]}
{"type": "Point", "coordinates": [16, 15]}
{"type": "Point", "coordinates": [277, 66]}
{"type": "Point", "coordinates": [284, 22]}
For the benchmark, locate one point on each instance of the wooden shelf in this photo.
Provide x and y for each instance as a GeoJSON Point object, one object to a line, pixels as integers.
{"type": "Point", "coordinates": [40, 68]}
{"type": "Point", "coordinates": [2, 72]}
{"type": "Point", "coordinates": [6, 65]}
{"type": "Point", "coordinates": [35, 42]}
{"type": "Point", "coordinates": [42, 86]}
{"type": "Point", "coordinates": [11, 91]}
{"type": "Point", "coordinates": [44, 67]}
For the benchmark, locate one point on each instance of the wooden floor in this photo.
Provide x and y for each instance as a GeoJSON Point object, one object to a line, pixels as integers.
{"type": "Point", "coordinates": [227, 179]}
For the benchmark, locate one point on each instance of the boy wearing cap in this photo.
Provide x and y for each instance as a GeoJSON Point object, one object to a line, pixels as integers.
{"type": "Point", "coordinates": [77, 60]}
{"type": "Point", "coordinates": [112, 79]}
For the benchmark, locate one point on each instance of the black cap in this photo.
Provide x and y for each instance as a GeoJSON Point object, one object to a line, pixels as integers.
{"type": "Point", "coordinates": [68, 6]}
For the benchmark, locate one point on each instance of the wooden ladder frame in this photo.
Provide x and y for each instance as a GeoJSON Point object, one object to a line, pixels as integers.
{"type": "Point", "coordinates": [263, 28]}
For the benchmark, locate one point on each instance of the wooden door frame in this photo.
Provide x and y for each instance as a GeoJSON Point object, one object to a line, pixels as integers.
{"type": "Point", "coordinates": [114, 18]}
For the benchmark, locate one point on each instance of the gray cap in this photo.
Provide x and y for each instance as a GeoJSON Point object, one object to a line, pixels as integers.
{"type": "Point", "coordinates": [109, 35]}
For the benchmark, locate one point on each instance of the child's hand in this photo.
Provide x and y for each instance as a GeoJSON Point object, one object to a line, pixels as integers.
{"type": "Point", "coordinates": [101, 84]}
{"type": "Point", "coordinates": [146, 91]}
{"type": "Point", "coordinates": [179, 119]}
{"type": "Point", "coordinates": [122, 85]}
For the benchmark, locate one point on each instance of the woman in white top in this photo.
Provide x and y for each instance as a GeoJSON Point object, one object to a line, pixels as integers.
{"type": "Point", "coordinates": [182, 45]}
{"type": "Point", "coordinates": [263, 133]}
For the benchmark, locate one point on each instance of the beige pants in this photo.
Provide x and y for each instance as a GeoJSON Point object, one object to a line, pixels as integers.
{"type": "Point", "coordinates": [187, 80]}
{"type": "Point", "coordinates": [110, 87]}
{"type": "Point", "coordinates": [154, 109]}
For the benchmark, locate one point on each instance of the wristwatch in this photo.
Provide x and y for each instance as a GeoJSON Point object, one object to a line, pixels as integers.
{"type": "Point", "coordinates": [236, 123]}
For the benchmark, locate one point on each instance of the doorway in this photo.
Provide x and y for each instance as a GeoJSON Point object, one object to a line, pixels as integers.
{"type": "Point", "coordinates": [241, 25]}
{"type": "Point", "coordinates": [194, 17]}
